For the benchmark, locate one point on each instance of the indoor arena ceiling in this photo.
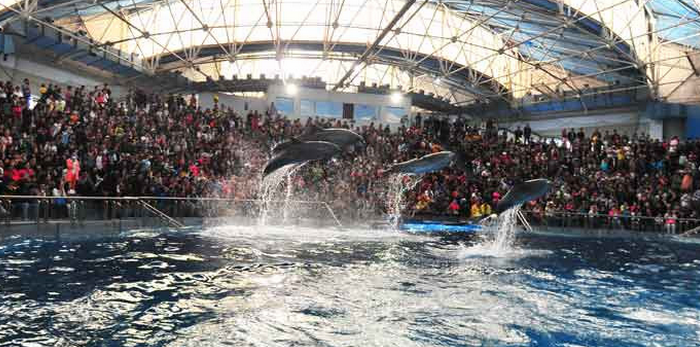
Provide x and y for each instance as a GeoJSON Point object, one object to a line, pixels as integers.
{"type": "Point", "coordinates": [486, 50]}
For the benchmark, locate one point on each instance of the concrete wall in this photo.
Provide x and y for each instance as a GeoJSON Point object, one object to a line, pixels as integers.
{"type": "Point", "coordinates": [625, 122]}
{"type": "Point", "coordinates": [39, 68]}
{"type": "Point", "coordinates": [382, 102]}
{"type": "Point", "coordinates": [242, 105]}
{"type": "Point", "coordinates": [692, 123]}
{"type": "Point", "coordinates": [662, 128]}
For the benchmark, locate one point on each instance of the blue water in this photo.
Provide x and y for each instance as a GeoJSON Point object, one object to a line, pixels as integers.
{"type": "Point", "coordinates": [238, 286]}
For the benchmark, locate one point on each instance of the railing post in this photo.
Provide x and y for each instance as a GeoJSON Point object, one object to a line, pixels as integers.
{"type": "Point", "coordinates": [110, 209]}
{"type": "Point", "coordinates": [72, 206]}
{"type": "Point", "coordinates": [142, 214]}
{"type": "Point", "coordinates": [81, 213]}
{"type": "Point", "coordinates": [47, 209]}
{"type": "Point", "coordinates": [34, 208]}
{"type": "Point", "coordinates": [24, 210]}
{"type": "Point", "coordinates": [333, 214]}
{"type": "Point", "coordinates": [6, 212]}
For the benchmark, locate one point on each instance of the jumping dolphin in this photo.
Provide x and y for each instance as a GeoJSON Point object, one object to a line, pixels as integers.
{"type": "Point", "coordinates": [524, 192]}
{"type": "Point", "coordinates": [299, 152]}
{"type": "Point", "coordinates": [339, 136]}
{"type": "Point", "coordinates": [428, 163]}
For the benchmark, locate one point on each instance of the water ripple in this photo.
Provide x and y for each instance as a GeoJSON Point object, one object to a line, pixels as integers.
{"type": "Point", "coordinates": [331, 288]}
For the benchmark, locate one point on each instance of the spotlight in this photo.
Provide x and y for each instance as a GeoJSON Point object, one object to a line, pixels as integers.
{"type": "Point", "coordinates": [437, 80]}
{"type": "Point", "coordinates": [292, 89]}
{"type": "Point", "coordinates": [396, 97]}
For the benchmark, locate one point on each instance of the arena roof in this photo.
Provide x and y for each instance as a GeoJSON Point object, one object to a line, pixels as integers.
{"type": "Point", "coordinates": [486, 50]}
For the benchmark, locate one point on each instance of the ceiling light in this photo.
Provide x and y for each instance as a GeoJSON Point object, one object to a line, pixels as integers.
{"type": "Point", "coordinates": [396, 97]}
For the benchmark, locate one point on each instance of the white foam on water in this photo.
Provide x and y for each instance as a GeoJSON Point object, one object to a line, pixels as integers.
{"type": "Point", "coordinates": [303, 234]}
{"type": "Point", "coordinates": [482, 251]}
{"type": "Point", "coordinates": [653, 316]}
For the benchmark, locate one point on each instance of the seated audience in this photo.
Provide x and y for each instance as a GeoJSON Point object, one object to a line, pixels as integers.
{"type": "Point", "coordinates": [90, 143]}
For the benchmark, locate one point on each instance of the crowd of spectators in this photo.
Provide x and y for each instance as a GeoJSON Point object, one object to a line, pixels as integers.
{"type": "Point", "coordinates": [83, 141]}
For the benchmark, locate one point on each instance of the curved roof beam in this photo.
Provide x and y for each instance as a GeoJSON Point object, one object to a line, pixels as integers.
{"type": "Point", "coordinates": [486, 89]}
{"type": "Point", "coordinates": [452, 41]}
{"type": "Point", "coordinates": [505, 43]}
{"type": "Point", "coordinates": [627, 25]}
{"type": "Point", "coordinates": [376, 42]}
{"type": "Point", "coordinates": [554, 34]}
{"type": "Point", "coordinates": [304, 63]}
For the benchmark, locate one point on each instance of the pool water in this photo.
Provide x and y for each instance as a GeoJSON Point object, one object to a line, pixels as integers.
{"type": "Point", "coordinates": [246, 286]}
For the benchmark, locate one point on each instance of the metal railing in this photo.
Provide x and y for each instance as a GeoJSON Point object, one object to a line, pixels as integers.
{"type": "Point", "coordinates": [566, 219]}
{"type": "Point", "coordinates": [170, 211]}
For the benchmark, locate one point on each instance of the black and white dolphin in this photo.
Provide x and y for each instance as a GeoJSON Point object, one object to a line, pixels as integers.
{"type": "Point", "coordinates": [524, 192]}
{"type": "Point", "coordinates": [343, 138]}
{"type": "Point", "coordinates": [427, 163]}
{"type": "Point", "coordinates": [297, 152]}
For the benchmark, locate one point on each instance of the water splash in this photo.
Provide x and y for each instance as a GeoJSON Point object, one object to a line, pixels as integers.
{"type": "Point", "coordinates": [498, 235]}
{"type": "Point", "coordinates": [506, 228]}
{"type": "Point", "coordinates": [399, 185]}
{"type": "Point", "coordinates": [290, 191]}
{"type": "Point", "coordinates": [268, 188]}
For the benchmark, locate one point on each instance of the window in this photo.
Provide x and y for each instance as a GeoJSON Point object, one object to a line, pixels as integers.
{"type": "Point", "coordinates": [329, 109]}
{"type": "Point", "coordinates": [307, 108]}
{"type": "Point", "coordinates": [392, 114]}
{"type": "Point", "coordinates": [284, 106]}
{"type": "Point", "coordinates": [365, 112]}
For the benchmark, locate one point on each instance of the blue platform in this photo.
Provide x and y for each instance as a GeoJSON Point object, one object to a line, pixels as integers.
{"type": "Point", "coordinates": [438, 227]}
